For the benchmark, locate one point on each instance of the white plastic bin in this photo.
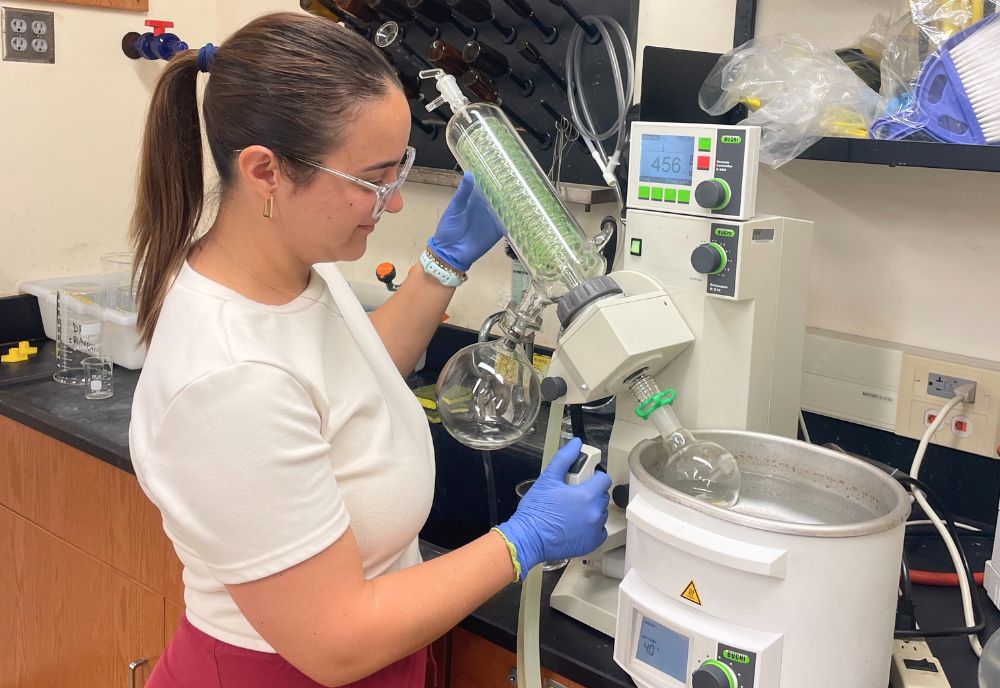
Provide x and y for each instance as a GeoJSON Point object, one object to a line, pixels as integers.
{"type": "Point", "coordinates": [121, 336]}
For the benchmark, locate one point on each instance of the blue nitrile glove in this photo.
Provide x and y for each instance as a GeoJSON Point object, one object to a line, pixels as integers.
{"type": "Point", "coordinates": [467, 228]}
{"type": "Point", "coordinates": [555, 520]}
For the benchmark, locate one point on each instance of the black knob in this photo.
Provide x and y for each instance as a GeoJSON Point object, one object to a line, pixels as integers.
{"type": "Point", "coordinates": [712, 194]}
{"type": "Point", "coordinates": [553, 388]}
{"type": "Point", "coordinates": [619, 495]}
{"type": "Point", "coordinates": [708, 259]}
{"type": "Point", "coordinates": [711, 676]}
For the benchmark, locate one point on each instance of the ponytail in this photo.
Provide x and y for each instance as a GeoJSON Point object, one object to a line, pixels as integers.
{"type": "Point", "coordinates": [171, 188]}
{"type": "Point", "coordinates": [271, 84]}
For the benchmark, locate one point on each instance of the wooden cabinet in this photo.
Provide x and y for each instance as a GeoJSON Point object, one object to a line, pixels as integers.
{"type": "Point", "coordinates": [88, 580]}
{"type": "Point", "coordinates": [478, 663]}
{"type": "Point", "coordinates": [76, 622]}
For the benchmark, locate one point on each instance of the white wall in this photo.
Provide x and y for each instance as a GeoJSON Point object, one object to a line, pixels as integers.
{"type": "Point", "coordinates": [903, 255]}
{"type": "Point", "coordinates": [71, 138]}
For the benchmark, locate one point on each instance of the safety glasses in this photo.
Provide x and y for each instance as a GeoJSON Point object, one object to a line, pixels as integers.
{"type": "Point", "coordinates": [384, 193]}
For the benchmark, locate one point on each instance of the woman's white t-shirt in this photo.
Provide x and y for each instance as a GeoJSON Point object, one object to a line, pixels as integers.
{"type": "Point", "coordinates": [262, 432]}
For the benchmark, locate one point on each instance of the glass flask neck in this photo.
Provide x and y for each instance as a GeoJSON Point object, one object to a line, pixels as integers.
{"type": "Point", "coordinates": [522, 320]}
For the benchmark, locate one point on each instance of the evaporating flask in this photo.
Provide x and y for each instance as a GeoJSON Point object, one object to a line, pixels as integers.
{"type": "Point", "coordinates": [701, 469]}
{"type": "Point", "coordinates": [489, 394]}
{"type": "Point", "coordinates": [541, 230]}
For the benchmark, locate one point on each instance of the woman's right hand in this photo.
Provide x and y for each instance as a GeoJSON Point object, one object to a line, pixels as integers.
{"type": "Point", "coordinates": [559, 521]}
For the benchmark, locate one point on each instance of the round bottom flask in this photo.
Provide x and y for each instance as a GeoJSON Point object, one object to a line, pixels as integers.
{"type": "Point", "coordinates": [703, 470]}
{"type": "Point", "coordinates": [488, 395]}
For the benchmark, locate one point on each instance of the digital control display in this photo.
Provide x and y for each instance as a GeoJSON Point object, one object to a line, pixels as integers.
{"type": "Point", "coordinates": [663, 649]}
{"type": "Point", "coordinates": [667, 159]}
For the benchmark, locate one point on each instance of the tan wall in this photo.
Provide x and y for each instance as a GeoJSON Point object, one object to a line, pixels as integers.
{"type": "Point", "coordinates": [903, 255]}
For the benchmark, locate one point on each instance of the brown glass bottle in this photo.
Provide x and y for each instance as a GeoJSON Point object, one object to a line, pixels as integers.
{"type": "Point", "coordinates": [444, 55]}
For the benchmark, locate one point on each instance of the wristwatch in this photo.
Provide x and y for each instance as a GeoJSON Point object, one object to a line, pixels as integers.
{"type": "Point", "coordinates": [444, 273]}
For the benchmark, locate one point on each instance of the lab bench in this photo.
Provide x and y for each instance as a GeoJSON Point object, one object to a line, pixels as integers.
{"type": "Point", "coordinates": [68, 499]}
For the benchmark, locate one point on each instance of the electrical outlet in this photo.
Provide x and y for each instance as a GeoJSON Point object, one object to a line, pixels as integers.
{"type": "Point", "coordinates": [28, 35]}
{"type": "Point", "coordinates": [927, 384]}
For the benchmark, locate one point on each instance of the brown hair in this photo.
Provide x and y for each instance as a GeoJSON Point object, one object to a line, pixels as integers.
{"type": "Point", "coordinates": [285, 81]}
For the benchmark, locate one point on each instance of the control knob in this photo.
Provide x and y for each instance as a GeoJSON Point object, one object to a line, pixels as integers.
{"type": "Point", "coordinates": [714, 674]}
{"type": "Point", "coordinates": [709, 259]}
{"type": "Point", "coordinates": [713, 194]}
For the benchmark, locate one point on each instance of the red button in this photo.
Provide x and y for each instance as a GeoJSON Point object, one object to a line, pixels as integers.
{"type": "Point", "coordinates": [961, 425]}
{"type": "Point", "coordinates": [704, 162]}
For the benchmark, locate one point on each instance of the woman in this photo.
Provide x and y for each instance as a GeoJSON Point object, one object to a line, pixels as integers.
{"type": "Point", "coordinates": [271, 424]}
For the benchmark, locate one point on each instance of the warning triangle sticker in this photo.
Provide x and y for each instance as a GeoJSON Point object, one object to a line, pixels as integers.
{"type": "Point", "coordinates": [691, 594]}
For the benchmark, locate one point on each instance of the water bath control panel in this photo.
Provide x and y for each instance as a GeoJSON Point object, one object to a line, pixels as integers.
{"type": "Point", "coordinates": [663, 644]}
{"type": "Point", "coordinates": [694, 169]}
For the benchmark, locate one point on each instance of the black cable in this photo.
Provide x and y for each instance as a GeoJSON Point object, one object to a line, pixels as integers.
{"type": "Point", "coordinates": [904, 572]}
{"type": "Point", "coordinates": [576, 420]}
{"type": "Point", "coordinates": [977, 609]}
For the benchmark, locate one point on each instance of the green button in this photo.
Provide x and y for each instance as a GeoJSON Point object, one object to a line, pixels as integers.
{"type": "Point", "coordinates": [670, 195]}
{"type": "Point", "coordinates": [644, 193]}
{"type": "Point", "coordinates": [657, 193]}
{"type": "Point", "coordinates": [636, 247]}
{"type": "Point", "coordinates": [704, 144]}
{"type": "Point", "coordinates": [684, 196]}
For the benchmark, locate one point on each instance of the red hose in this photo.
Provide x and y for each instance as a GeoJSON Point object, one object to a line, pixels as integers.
{"type": "Point", "coordinates": [941, 580]}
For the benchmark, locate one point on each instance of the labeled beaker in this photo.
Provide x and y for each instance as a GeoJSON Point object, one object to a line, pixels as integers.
{"type": "Point", "coordinates": [79, 329]}
{"type": "Point", "coordinates": [98, 381]}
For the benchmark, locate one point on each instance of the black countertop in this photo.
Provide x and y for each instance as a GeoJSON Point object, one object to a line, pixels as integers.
{"type": "Point", "coordinates": [100, 428]}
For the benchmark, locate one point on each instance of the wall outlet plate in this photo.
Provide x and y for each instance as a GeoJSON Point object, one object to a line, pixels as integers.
{"type": "Point", "coordinates": [28, 35]}
{"type": "Point", "coordinates": [972, 427]}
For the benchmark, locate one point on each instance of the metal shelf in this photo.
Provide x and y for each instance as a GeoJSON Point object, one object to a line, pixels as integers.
{"type": "Point", "coordinates": [943, 156]}
{"type": "Point", "coordinates": [583, 194]}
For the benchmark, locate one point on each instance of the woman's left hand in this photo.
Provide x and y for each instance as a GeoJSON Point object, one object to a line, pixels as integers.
{"type": "Point", "coordinates": [468, 228]}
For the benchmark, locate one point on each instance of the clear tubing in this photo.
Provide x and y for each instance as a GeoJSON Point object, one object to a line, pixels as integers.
{"type": "Point", "coordinates": [544, 234]}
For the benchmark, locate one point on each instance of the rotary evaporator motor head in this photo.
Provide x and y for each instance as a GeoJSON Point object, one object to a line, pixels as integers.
{"type": "Point", "coordinates": [447, 86]}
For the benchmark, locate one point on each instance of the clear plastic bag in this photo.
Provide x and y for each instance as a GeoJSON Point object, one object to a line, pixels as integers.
{"type": "Point", "coordinates": [909, 45]}
{"type": "Point", "coordinates": [796, 92]}
{"type": "Point", "coordinates": [900, 48]}
{"type": "Point", "coordinates": [939, 20]}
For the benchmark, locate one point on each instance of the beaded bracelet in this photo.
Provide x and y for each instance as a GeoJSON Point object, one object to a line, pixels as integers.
{"type": "Point", "coordinates": [437, 268]}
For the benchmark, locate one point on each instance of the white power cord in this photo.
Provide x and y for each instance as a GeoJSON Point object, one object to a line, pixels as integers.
{"type": "Point", "coordinates": [961, 526]}
{"type": "Point", "coordinates": [962, 394]}
{"type": "Point", "coordinates": [804, 429]}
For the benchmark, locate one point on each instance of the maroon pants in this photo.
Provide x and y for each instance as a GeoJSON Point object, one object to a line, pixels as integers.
{"type": "Point", "coordinates": [194, 659]}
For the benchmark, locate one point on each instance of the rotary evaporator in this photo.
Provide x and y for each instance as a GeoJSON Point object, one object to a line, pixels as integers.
{"type": "Point", "coordinates": [732, 553]}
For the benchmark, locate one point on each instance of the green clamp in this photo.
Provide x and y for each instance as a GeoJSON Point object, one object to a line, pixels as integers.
{"type": "Point", "coordinates": [646, 408]}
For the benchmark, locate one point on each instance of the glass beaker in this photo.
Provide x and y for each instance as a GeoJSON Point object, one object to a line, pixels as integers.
{"type": "Point", "coordinates": [520, 490]}
{"type": "Point", "coordinates": [116, 271]}
{"type": "Point", "coordinates": [97, 376]}
{"type": "Point", "coordinates": [79, 329]}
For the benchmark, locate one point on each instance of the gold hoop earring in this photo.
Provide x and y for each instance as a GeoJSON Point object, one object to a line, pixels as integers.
{"type": "Point", "coordinates": [269, 207]}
